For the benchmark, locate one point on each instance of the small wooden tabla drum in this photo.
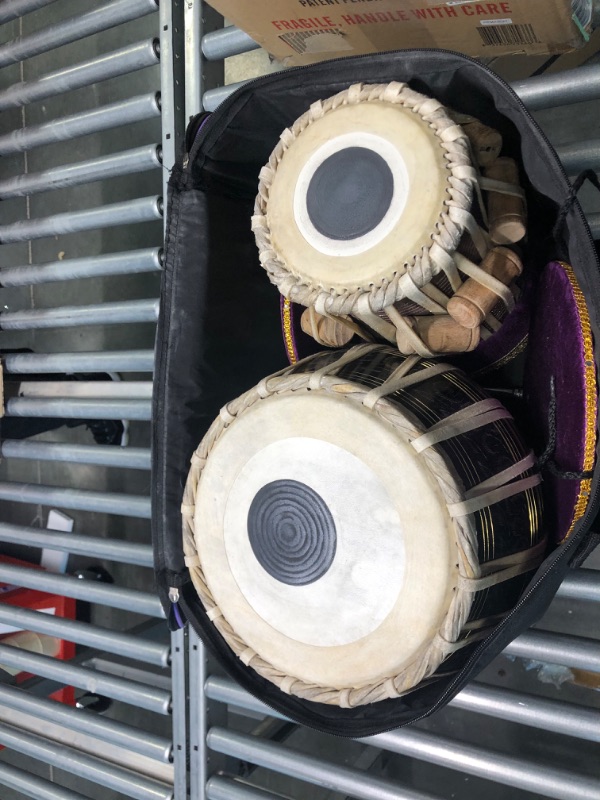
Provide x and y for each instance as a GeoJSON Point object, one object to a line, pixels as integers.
{"type": "Point", "coordinates": [373, 199]}
{"type": "Point", "coordinates": [354, 523]}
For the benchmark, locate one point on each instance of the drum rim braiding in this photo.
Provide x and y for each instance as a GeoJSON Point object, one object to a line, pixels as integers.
{"type": "Point", "coordinates": [470, 580]}
{"type": "Point", "coordinates": [454, 220]}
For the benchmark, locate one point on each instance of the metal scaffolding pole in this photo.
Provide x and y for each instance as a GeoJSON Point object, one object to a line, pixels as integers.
{"type": "Point", "coordinates": [113, 389]}
{"type": "Point", "coordinates": [108, 730]}
{"type": "Point", "coordinates": [120, 644]}
{"type": "Point", "coordinates": [134, 261]}
{"type": "Point", "coordinates": [64, 585]}
{"type": "Point", "coordinates": [126, 505]}
{"type": "Point", "coordinates": [143, 209]}
{"type": "Point", "coordinates": [110, 65]}
{"type": "Point", "coordinates": [115, 361]}
{"type": "Point", "coordinates": [314, 770]}
{"type": "Point", "coordinates": [67, 408]}
{"type": "Point", "coordinates": [94, 454]}
{"type": "Point", "coordinates": [117, 313]}
{"type": "Point", "coordinates": [226, 42]}
{"type": "Point", "coordinates": [13, 9]}
{"type": "Point", "coordinates": [140, 159]}
{"type": "Point", "coordinates": [106, 16]}
{"type": "Point", "coordinates": [87, 767]}
{"type": "Point", "coordinates": [95, 120]}
{"type": "Point", "coordinates": [32, 786]}
{"type": "Point", "coordinates": [134, 693]}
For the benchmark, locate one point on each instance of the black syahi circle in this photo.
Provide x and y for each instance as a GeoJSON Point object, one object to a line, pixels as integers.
{"type": "Point", "coordinates": [291, 532]}
{"type": "Point", "coordinates": [349, 193]}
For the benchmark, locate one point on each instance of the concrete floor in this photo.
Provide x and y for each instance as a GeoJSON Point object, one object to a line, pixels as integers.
{"type": "Point", "coordinates": [563, 126]}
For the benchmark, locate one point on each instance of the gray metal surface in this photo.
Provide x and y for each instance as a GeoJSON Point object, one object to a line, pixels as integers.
{"type": "Point", "coordinates": [126, 505]}
{"type": "Point", "coordinates": [87, 767]}
{"type": "Point", "coordinates": [70, 30]}
{"type": "Point", "coordinates": [67, 586]}
{"type": "Point", "coordinates": [120, 62]}
{"type": "Point", "coordinates": [127, 263]}
{"type": "Point", "coordinates": [116, 361]}
{"type": "Point", "coordinates": [124, 112]}
{"type": "Point", "coordinates": [128, 162]}
{"type": "Point", "coordinates": [81, 177]}
{"type": "Point", "coordinates": [129, 212]}
{"type": "Point", "coordinates": [130, 738]}
{"type": "Point", "coordinates": [133, 693]}
{"type": "Point", "coordinates": [32, 786]}
{"type": "Point", "coordinates": [229, 41]}
{"type": "Point", "coordinates": [110, 641]}
{"type": "Point", "coordinates": [101, 455]}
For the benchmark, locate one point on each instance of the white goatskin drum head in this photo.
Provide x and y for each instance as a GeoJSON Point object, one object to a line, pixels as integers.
{"type": "Point", "coordinates": [357, 195]}
{"type": "Point", "coordinates": [324, 540]}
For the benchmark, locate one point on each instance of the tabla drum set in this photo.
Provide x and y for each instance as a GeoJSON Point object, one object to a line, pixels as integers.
{"type": "Point", "coordinates": [356, 522]}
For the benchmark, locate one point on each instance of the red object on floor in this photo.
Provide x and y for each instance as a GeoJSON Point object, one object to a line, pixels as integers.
{"type": "Point", "coordinates": [54, 604]}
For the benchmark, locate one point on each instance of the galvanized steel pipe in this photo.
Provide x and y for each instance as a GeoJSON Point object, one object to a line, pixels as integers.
{"type": "Point", "coordinates": [32, 786]}
{"type": "Point", "coordinates": [13, 9]}
{"type": "Point", "coordinates": [557, 648]}
{"type": "Point", "coordinates": [94, 454]}
{"type": "Point", "coordinates": [581, 584]}
{"type": "Point", "coordinates": [314, 770]}
{"type": "Point", "coordinates": [133, 693]}
{"type": "Point", "coordinates": [143, 209]}
{"type": "Point", "coordinates": [115, 361]}
{"type": "Point", "coordinates": [90, 768]}
{"type": "Point", "coordinates": [72, 316]}
{"type": "Point", "coordinates": [110, 641]}
{"type": "Point", "coordinates": [490, 765]}
{"type": "Point", "coordinates": [139, 159]}
{"type": "Point", "coordinates": [564, 718]}
{"type": "Point", "coordinates": [101, 118]}
{"type": "Point", "coordinates": [126, 263]}
{"type": "Point", "coordinates": [76, 408]}
{"type": "Point", "coordinates": [126, 505]}
{"type": "Point", "coordinates": [141, 742]}
{"type": "Point", "coordinates": [560, 88]}
{"type": "Point", "coordinates": [110, 65]}
{"type": "Point", "coordinates": [578, 156]}
{"type": "Point", "coordinates": [106, 16]}
{"type": "Point", "coordinates": [121, 551]}
{"type": "Point", "coordinates": [229, 41]}
{"type": "Point", "coordinates": [219, 787]}
{"type": "Point", "coordinates": [102, 594]}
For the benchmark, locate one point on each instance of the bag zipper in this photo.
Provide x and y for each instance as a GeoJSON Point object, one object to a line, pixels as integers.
{"type": "Point", "coordinates": [561, 552]}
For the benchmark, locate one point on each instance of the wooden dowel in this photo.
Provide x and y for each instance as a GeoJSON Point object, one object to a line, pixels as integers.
{"type": "Point", "coordinates": [507, 215]}
{"type": "Point", "coordinates": [473, 301]}
{"type": "Point", "coordinates": [440, 334]}
{"type": "Point", "coordinates": [327, 331]}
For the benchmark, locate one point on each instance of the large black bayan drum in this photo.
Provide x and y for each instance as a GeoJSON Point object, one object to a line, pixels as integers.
{"type": "Point", "coordinates": [353, 524]}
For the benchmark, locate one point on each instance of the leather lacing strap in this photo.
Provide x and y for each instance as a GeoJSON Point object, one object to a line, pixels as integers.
{"type": "Point", "coordinates": [497, 287]}
{"type": "Point", "coordinates": [467, 419]}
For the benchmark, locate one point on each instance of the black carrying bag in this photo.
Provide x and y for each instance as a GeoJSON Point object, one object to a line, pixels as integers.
{"type": "Point", "coordinates": [219, 330]}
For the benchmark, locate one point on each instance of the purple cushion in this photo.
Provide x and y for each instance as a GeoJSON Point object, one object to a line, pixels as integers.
{"type": "Point", "coordinates": [560, 347]}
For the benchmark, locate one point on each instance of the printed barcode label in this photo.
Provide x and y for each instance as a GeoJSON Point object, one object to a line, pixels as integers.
{"type": "Point", "coordinates": [325, 41]}
{"type": "Point", "coordinates": [498, 35]}
{"type": "Point", "coordinates": [489, 22]}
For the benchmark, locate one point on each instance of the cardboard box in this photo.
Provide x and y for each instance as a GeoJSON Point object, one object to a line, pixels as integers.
{"type": "Point", "coordinates": [304, 31]}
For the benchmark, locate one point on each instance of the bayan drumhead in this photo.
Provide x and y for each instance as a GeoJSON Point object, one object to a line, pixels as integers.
{"type": "Point", "coordinates": [322, 539]}
{"type": "Point", "coordinates": [356, 192]}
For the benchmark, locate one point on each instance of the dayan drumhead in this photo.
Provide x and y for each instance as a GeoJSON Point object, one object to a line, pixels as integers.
{"type": "Point", "coordinates": [365, 186]}
{"type": "Point", "coordinates": [331, 544]}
